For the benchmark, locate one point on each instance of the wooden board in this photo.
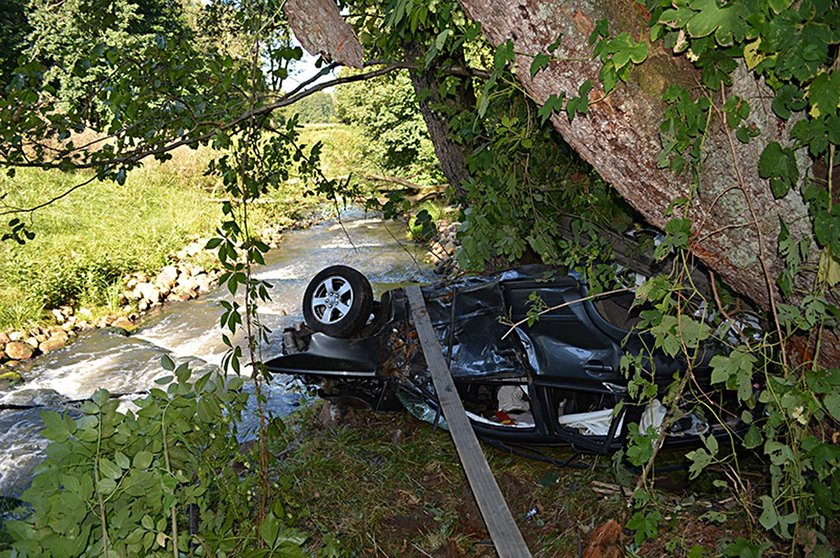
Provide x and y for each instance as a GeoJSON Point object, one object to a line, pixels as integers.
{"type": "Point", "coordinates": [500, 524]}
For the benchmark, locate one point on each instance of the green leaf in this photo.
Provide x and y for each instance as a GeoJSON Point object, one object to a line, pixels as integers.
{"type": "Point", "coordinates": [269, 529]}
{"type": "Point", "coordinates": [778, 6]}
{"type": "Point", "coordinates": [503, 55]}
{"type": "Point", "coordinates": [440, 40]}
{"type": "Point", "coordinates": [121, 460]}
{"type": "Point", "coordinates": [108, 469]}
{"type": "Point", "coordinates": [769, 518]}
{"type": "Point", "coordinates": [753, 438]}
{"type": "Point", "coordinates": [100, 397]}
{"type": "Point", "coordinates": [106, 485]}
{"type": "Point", "coordinates": [708, 18]}
{"type": "Point", "coordinates": [735, 370]}
{"type": "Point", "coordinates": [700, 459]}
{"type": "Point", "coordinates": [143, 459]}
{"type": "Point", "coordinates": [779, 165]}
{"type": "Point", "coordinates": [540, 61]}
{"type": "Point", "coordinates": [55, 427]}
{"type": "Point", "coordinates": [183, 373]}
{"type": "Point", "coordinates": [824, 94]}
{"type": "Point", "coordinates": [554, 103]}
{"type": "Point", "coordinates": [167, 363]}
{"type": "Point", "coordinates": [832, 405]}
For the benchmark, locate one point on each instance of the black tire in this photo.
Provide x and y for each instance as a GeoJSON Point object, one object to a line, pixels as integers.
{"type": "Point", "coordinates": [338, 301]}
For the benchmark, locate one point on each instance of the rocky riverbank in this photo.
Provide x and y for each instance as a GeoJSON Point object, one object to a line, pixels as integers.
{"type": "Point", "coordinates": [191, 273]}
{"type": "Point", "coordinates": [443, 248]}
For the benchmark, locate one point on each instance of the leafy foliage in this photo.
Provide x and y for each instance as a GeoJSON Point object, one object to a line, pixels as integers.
{"type": "Point", "coordinates": [386, 111]}
{"type": "Point", "coordinates": [149, 481]}
{"type": "Point", "coordinates": [317, 108]}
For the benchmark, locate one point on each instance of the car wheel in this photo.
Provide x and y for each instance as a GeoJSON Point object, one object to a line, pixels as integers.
{"type": "Point", "coordinates": [338, 301]}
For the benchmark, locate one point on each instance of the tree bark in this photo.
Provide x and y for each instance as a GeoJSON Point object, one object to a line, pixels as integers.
{"type": "Point", "coordinates": [320, 28]}
{"type": "Point", "coordinates": [453, 160]}
{"type": "Point", "coordinates": [619, 136]}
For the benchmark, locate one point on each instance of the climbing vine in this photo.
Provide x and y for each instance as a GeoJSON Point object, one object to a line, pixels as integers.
{"type": "Point", "coordinates": [790, 399]}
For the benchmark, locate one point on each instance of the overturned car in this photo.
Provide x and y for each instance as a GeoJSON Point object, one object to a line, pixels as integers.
{"type": "Point", "coordinates": [555, 381]}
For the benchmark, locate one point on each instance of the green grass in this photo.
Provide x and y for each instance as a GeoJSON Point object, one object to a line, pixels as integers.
{"type": "Point", "coordinates": [87, 241]}
{"type": "Point", "coordinates": [345, 150]}
{"type": "Point", "coordinates": [386, 484]}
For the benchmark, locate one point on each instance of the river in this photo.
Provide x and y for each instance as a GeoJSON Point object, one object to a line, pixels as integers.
{"type": "Point", "coordinates": [189, 331]}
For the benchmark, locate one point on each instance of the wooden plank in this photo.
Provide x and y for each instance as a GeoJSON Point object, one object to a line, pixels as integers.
{"type": "Point", "coordinates": [503, 530]}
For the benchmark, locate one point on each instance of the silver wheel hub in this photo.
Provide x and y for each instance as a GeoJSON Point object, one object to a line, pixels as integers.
{"type": "Point", "coordinates": [332, 300]}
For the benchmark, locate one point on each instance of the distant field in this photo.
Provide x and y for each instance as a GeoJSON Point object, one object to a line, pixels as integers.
{"type": "Point", "coordinates": [345, 150]}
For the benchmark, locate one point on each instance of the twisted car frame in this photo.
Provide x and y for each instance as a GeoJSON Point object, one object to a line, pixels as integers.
{"type": "Point", "coordinates": [556, 380]}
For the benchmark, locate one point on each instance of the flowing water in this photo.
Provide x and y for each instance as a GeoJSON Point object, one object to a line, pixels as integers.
{"type": "Point", "coordinates": [189, 331]}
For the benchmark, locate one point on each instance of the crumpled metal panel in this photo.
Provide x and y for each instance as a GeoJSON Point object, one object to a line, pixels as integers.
{"type": "Point", "coordinates": [467, 317]}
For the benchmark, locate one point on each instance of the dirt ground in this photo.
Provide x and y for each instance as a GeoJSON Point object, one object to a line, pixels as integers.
{"type": "Point", "coordinates": [386, 484]}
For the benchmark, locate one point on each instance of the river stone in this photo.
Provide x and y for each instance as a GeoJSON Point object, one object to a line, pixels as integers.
{"type": "Point", "coordinates": [18, 350]}
{"type": "Point", "coordinates": [53, 343]}
{"type": "Point", "coordinates": [123, 323]}
{"type": "Point", "coordinates": [16, 336]}
{"type": "Point", "coordinates": [9, 378]}
{"type": "Point", "coordinates": [167, 276]}
{"type": "Point", "coordinates": [4, 338]}
{"type": "Point", "coordinates": [34, 342]}
{"type": "Point", "coordinates": [187, 285]}
{"type": "Point", "coordinates": [58, 315]}
{"type": "Point", "coordinates": [204, 282]}
{"type": "Point", "coordinates": [37, 397]}
{"type": "Point", "coordinates": [149, 292]}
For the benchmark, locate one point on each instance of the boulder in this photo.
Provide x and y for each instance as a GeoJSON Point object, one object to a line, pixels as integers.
{"type": "Point", "coordinates": [16, 336]}
{"type": "Point", "coordinates": [35, 397]}
{"type": "Point", "coordinates": [17, 350]}
{"type": "Point", "coordinates": [167, 277]}
{"type": "Point", "coordinates": [149, 292]}
{"type": "Point", "coordinates": [33, 342]}
{"type": "Point", "coordinates": [53, 343]}
{"type": "Point", "coordinates": [8, 378]}
{"type": "Point", "coordinates": [204, 282]}
{"type": "Point", "coordinates": [4, 338]}
{"type": "Point", "coordinates": [123, 323]}
{"type": "Point", "coordinates": [187, 285]}
{"type": "Point", "coordinates": [58, 315]}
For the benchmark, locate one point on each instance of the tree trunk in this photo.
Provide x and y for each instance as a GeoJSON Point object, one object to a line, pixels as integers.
{"type": "Point", "coordinates": [451, 155]}
{"type": "Point", "coordinates": [619, 136]}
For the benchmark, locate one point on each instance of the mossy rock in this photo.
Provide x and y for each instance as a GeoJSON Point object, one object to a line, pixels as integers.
{"type": "Point", "coordinates": [9, 378]}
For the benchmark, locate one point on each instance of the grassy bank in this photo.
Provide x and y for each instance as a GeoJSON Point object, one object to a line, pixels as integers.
{"type": "Point", "coordinates": [380, 484]}
{"type": "Point", "coordinates": [87, 241]}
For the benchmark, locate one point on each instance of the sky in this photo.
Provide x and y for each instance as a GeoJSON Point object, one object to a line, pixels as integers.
{"type": "Point", "coordinates": [305, 69]}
